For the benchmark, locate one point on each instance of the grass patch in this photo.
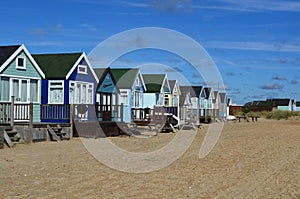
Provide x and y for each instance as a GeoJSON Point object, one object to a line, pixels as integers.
{"type": "Point", "coordinates": [277, 114]}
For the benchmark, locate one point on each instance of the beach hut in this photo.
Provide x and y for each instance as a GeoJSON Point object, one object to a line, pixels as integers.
{"type": "Point", "coordinates": [20, 85]}
{"type": "Point", "coordinates": [298, 106]}
{"type": "Point", "coordinates": [69, 80]}
{"type": "Point", "coordinates": [174, 97]}
{"type": "Point", "coordinates": [294, 105]}
{"type": "Point", "coordinates": [284, 104]}
{"type": "Point", "coordinates": [132, 87]}
{"type": "Point", "coordinates": [108, 107]}
{"type": "Point", "coordinates": [209, 96]}
{"type": "Point", "coordinates": [197, 99]}
{"type": "Point", "coordinates": [158, 90]}
{"type": "Point", "coordinates": [185, 104]}
{"type": "Point", "coordinates": [222, 106]}
{"type": "Point", "coordinates": [215, 105]}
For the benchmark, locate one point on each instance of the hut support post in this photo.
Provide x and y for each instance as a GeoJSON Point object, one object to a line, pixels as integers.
{"type": "Point", "coordinates": [12, 106]}
{"type": "Point", "coordinates": [71, 120]}
{"type": "Point", "coordinates": [121, 112]}
{"type": "Point", "coordinates": [31, 115]}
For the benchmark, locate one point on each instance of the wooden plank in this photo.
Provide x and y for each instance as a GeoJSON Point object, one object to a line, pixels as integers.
{"type": "Point", "coordinates": [7, 139]}
{"type": "Point", "coordinates": [1, 138]}
{"type": "Point", "coordinates": [54, 136]}
{"type": "Point", "coordinates": [173, 129]}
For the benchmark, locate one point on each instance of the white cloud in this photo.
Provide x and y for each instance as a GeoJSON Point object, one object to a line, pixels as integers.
{"type": "Point", "coordinates": [264, 5]}
{"type": "Point", "coordinates": [272, 86]}
{"type": "Point", "coordinates": [256, 46]}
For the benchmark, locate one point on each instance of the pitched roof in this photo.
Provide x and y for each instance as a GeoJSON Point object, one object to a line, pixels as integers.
{"type": "Point", "coordinates": [263, 103]}
{"type": "Point", "coordinates": [215, 98]}
{"type": "Point", "coordinates": [99, 72]}
{"type": "Point", "coordinates": [222, 97]}
{"type": "Point", "coordinates": [153, 82]}
{"type": "Point", "coordinates": [6, 52]}
{"type": "Point", "coordinates": [125, 76]}
{"type": "Point", "coordinates": [182, 99]}
{"type": "Point", "coordinates": [172, 84]}
{"type": "Point", "coordinates": [207, 91]}
{"type": "Point", "coordinates": [280, 102]}
{"type": "Point", "coordinates": [228, 101]}
{"type": "Point", "coordinates": [56, 65]}
{"type": "Point", "coordinates": [193, 90]}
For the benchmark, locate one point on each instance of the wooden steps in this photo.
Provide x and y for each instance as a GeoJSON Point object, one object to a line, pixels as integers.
{"type": "Point", "coordinates": [57, 133]}
{"type": "Point", "coordinates": [10, 136]}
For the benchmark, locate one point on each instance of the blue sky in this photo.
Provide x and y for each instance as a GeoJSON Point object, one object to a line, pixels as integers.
{"type": "Point", "coordinates": [254, 43]}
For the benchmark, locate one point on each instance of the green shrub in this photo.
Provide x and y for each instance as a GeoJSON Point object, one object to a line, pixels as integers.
{"type": "Point", "coordinates": [278, 114]}
{"type": "Point", "coordinates": [253, 114]}
{"type": "Point", "coordinates": [238, 113]}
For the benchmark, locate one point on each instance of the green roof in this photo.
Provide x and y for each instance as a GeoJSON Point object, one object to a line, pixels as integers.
{"type": "Point", "coordinates": [153, 82]}
{"type": "Point", "coordinates": [6, 52]}
{"type": "Point", "coordinates": [99, 72]}
{"type": "Point", "coordinates": [56, 65]}
{"type": "Point", "coordinates": [124, 76]}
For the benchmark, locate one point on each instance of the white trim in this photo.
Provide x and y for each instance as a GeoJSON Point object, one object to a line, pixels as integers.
{"type": "Point", "coordinates": [163, 83]}
{"type": "Point", "coordinates": [39, 84]}
{"type": "Point", "coordinates": [10, 59]}
{"type": "Point", "coordinates": [126, 103]}
{"type": "Point", "coordinates": [21, 77]}
{"type": "Point", "coordinates": [63, 93]}
{"type": "Point", "coordinates": [139, 74]}
{"type": "Point", "coordinates": [88, 65]}
{"type": "Point", "coordinates": [82, 67]}
{"type": "Point", "coordinates": [20, 89]}
{"type": "Point", "coordinates": [86, 94]}
{"type": "Point", "coordinates": [11, 78]}
{"type": "Point", "coordinates": [17, 62]}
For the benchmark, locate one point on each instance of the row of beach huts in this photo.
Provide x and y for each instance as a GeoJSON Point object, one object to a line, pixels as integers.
{"type": "Point", "coordinates": [57, 96]}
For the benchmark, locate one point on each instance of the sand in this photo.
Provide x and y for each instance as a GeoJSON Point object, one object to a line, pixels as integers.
{"type": "Point", "coordinates": [250, 160]}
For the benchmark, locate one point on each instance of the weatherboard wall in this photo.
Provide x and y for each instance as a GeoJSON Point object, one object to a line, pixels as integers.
{"type": "Point", "coordinates": [29, 72]}
{"type": "Point", "coordinates": [75, 76]}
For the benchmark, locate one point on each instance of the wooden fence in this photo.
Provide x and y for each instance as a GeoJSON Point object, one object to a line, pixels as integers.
{"type": "Point", "coordinates": [55, 112]}
{"type": "Point", "coordinates": [11, 112]}
{"type": "Point", "coordinates": [109, 112]}
{"type": "Point", "coordinates": [147, 115]}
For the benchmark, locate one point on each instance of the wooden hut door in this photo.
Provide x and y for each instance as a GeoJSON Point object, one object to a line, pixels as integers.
{"type": "Point", "coordinates": [107, 109]}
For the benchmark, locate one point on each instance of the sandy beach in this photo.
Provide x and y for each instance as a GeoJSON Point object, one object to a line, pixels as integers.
{"type": "Point", "coordinates": [250, 160]}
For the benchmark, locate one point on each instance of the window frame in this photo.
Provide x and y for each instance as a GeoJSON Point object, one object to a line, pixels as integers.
{"type": "Point", "coordinates": [49, 88]}
{"type": "Point", "coordinates": [89, 86]}
{"type": "Point", "coordinates": [122, 94]}
{"type": "Point", "coordinates": [24, 63]}
{"type": "Point", "coordinates": [82, 72]}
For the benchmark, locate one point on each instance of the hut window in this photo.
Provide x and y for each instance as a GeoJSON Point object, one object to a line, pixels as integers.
{"type": "Point", "coordinates": [137, 99]}
{"type": "Point", "coordinates": [56, 92]}
{"type": "Point", "coordinates": [21, 62]}
{"type": "Point", "coordinates": [71, 92]}
{"type": "Point", "coordinates": [4, 89]}
{"type": "Point", "coordinates": [81, 92]}
{"type": "Point", "coordinates": [124, 97]}
{"type": "Point", "coordinates": [167, 101]}
{"type": "Point", "coordinates": [90, 94]}
{"type": "Point", "coordinates": [82, 69]}
{"type": "Point", "coordinates": [34, 90]}
{"type": "Point", "coordinates": [20, 90]}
